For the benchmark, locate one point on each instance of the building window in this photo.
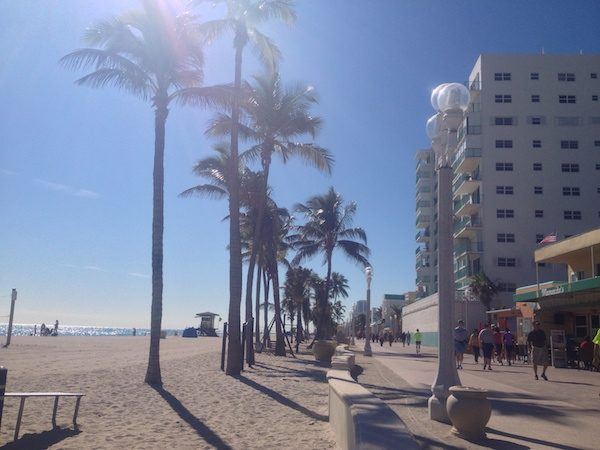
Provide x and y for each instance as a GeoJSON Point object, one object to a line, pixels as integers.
{"type": "Point", "coordinates": [537, 167]}
{"type": "Point", "coordinates": [504, 190]}
{"type": "Point", "coordinates": [536, 120]}
{"type": "Point", "coordinates": [566, 76]}
{"type": "Point", "coordinates": [504, 166]}
{"type": "Point", "coordinates": [505, 237]}
{"type": "Point", "coordinates": [506, 213]}
{"type": "Point", "coordinates": [597, 166]}
{"type": "Point", "coordinates": [502, 76]}
{"type": "Point", "coordinates": [503, 120]}
{"type": "Point", "coordinates": [594, 98]}
{"type": "Point", "coordinates": [568, 121]}
{"type": "Point", "coordinates": [567, 167]}
{"type": "Point", "coordinates": [569, 144]}
{"type": "Point", "coordinates": [538, 143]}
{"type": "Point", "coordinates": [567, 99]}
{"type": "Point", "coordinates": [598, 190]}
{"type": "Point", "coordinates": [535, 99]}
{"type": "Point", "coordinates": [572, 215]}
{"type": "Point", "coordinates": [596, 143]}
{"type": "Point", "coordinates": [506, 287]}
{"type": "Point", "coordinates": [538, 238]}
{"type": "Point", "coordinates": [503, 98]}
{"type": "Point", "coordinates": [534, 76]}
{"type": "Point", "coordinates": [595, 120]}
{"type": "Point", "coordinates": [504, 143]}
{"type": "Point", "coordinates": [593, 75]}
{"type": "Point", "coordinates": [538, 190]}
{"type": "Point", "coordinates": [539, 213]}
{"type": "Point", "coordinates": [507, 262]}
{"type": "Point", "coordinates": [571, 191]}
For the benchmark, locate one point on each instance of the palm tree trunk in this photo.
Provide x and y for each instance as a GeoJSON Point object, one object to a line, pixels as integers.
{"type": "Point", "coordinates": [234, 351]}
{"type": "Point", "coordinates": [323, 331]}
{"type": "Point", "coordinates": [279, 342]}
{"type": "Point", "coordinates": [266, 305]}
{"type": "Point", "coordinates": [257, 309]}
{"type": "Point", "coordinates": [253, 255]}
{"type": "Point", "coordinates": [153, 375]}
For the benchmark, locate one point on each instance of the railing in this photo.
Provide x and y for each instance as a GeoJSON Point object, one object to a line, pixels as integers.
{"type": "Point", "coordinates": [421, 250]}
{"type": "Point", "coordinates": [423, 189]}
{"type": "Point", "coordinates": [465, 199]}
{"type": "Point", "coordinates": [465, 152]}
{"type": "Point", "coordinates": [467, 222]}
{"type": "Point", "coordinates": [422, 175]}
{"type": "Point", "coordinates": [460, 179]}
{"type": "Point", "coordinates": [464, 272]}
{"type": "Point", "coordinates": [471, 130]}
{"type": "Point", "coordinates": [422, 218]}
{"type": "Point", "coordinates": [468, 247]}
{"type": "Point", "coordinates": [421, 234]}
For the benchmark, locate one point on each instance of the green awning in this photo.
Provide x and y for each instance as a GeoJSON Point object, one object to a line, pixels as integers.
{"type": "Point", "coordinates": [563, 288]}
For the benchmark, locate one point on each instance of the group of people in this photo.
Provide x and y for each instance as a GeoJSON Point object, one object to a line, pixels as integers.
{"type": "Point", "coordinates": [45, 330]}
{"type": "Point", "coordinates": [500, 345]}
{"type": "Point", "coordinates": [404, 337]}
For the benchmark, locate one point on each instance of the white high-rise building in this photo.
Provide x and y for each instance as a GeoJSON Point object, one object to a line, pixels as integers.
{"type": "Point", "coordinates": [527, 165]}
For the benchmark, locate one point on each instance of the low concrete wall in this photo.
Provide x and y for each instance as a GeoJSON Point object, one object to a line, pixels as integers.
{"type": "Point", "coordinates": [362, 421]}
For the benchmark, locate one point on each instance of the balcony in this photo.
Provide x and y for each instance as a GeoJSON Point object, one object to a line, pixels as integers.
{"type": "Point", "coordinates": [467, 227]}
{"type": "Point", "coordinates": [462, 273]}
{"type": "Point", "coordinates": [465, 184]}
{"type": "Point", "coordinates": [424, 193]}
{"type": "Point", "coordinates": [423, 267]}
{"type": "Point", "coordinates": [422, 236]}
{"type": "Point", "coordinates": [422, 252]}
{"type": "Point", "coordinates": [423, 177]}
{"type": "Point", "coordinates": [467, 206]}
{"type": "Point", "coordinates": [422, 279]}
{"type": "Point", "coordinates": [424, 164]}
{"type": "Point", "coordinates": [423, 220]}
{"type": "Point", "coordinates": [466, 159]}
{"type": "Point", "coordinates": [465, 246]}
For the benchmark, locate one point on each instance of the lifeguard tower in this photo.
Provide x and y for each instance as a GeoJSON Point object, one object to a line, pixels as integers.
{"type": "Point", "coordinates": [207, 324]}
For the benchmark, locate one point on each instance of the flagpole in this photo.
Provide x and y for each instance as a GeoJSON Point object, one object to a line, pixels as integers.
{"type": "Point", "coordinates": [537, 278]}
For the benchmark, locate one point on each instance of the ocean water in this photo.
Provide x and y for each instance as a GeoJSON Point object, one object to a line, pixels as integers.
{"type": "Point", "coordinates": [26, 329]}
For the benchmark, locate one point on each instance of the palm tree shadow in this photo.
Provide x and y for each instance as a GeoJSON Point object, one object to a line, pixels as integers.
{"type": "Point", "coordinates": [282, 399]}
{"type": "Point", "coordinates": [203, 430]}
{"type": "Point", "coordinates": [43, 440]}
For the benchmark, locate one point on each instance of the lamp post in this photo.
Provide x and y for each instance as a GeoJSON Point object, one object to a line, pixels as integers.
{"type": "Point", "coordinates": [369, 276]}
{"type": "Point", "coordinates": [450, 101]}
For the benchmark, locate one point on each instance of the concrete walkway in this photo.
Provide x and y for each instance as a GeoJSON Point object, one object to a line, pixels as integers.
{"type": "Point", "coordinates": [562, 413]}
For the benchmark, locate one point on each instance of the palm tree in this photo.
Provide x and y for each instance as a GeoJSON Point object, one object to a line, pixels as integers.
{"type": "Point", "coordinates": [272, 117]}
{"type": "Point", "coordinates": [155, 56]}
{"type": "Point", "coordinates": [243, 17]}
{"type": "Point", "coordinates": [398, 313]}
{"type": "Point", "coordinates": [297, 288]}
{"type": "Point", "coordinates": [339, 286]}
{"type": "Point", "coordinates": [483, 289]}
{"type": "Point", "coordinates": [359, 325]}
{"type": "Point", "coordinates": [328, 227]}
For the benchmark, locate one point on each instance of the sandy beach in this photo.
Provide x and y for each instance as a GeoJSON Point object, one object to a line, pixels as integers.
{"type": "Point", "coordinates": [281, 403]}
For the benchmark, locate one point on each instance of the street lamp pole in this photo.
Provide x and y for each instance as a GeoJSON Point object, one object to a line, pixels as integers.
{"type": "Point", "coordinates": [369, 276]}
{"type": "Point", "coordinates": [450, 101]}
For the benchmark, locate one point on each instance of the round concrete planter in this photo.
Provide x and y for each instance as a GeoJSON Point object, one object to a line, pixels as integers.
{"type": "Point", "coordinates": [469, 411]}
{"type": "Point", "coordinates": [324, 350]}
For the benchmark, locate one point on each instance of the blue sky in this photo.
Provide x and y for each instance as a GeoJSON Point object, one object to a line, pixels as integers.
{"type": "Point", "coordinates": [76, 163]}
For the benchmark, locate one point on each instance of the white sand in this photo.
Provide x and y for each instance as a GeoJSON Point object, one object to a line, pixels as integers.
{"type": "Point", "coordinates": [281, 403]}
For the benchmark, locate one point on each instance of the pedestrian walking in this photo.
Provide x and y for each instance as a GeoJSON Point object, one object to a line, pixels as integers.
{"type": "Point", "coordinates": [382, 338]}
{"type": "Point", "coordinates": [418, 337]}
{"type": "Point", "coordinates": [403, 338]}
{"type": "Point", "coordinates": [473, 345]}
{"type": "Point", "coordinates": [537, 342]}
{"type": "Point", "coordinates": [390, 338]}
{"type": "Point", "coordinates": [408, 338]}
{"type": "Point", "coordinates": [486, 342]}
{"type": "Point", "coordinates": [509, 344]}
{"type": "Point", "coordinates": [498, 345]}
{"type": "Point", "coordinates": [461, 338]}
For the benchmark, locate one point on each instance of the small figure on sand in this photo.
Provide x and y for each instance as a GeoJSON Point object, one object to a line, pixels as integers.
{"type": "Point", "coordinates": [134, 332]}
{"type": "Point", "coordinates": [55, 331]}
{"type": "Point", "coordinates": [43, 329]}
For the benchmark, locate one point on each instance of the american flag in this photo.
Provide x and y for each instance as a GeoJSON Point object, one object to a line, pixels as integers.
{"type": "Point", "coordinates": [548, 239]}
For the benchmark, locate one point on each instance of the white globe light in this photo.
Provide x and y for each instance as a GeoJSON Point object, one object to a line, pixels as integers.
{"type": "Point", "coordinates": [453, 96]}
{"type": "Point", "coordinates": [433, 127]}
{"type": "Point", "coordinates": [434, 96]}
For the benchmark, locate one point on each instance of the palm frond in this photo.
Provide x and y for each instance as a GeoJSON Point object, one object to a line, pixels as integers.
{"type": "Point", "coordinates": [314, 155]}
{"type": "Point", "coordinates": [116, 78]}
{"type": "Point", "coordinates": [265, 49]}
{"type": "Point", "coordinates": [205, 190]}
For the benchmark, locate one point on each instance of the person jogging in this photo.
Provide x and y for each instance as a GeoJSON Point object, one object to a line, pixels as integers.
{"type": "Point", "coordinates": [537, 341]}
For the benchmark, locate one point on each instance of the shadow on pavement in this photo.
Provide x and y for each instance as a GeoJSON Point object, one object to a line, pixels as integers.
{"type": "Point", "coordinates": [532, 440]}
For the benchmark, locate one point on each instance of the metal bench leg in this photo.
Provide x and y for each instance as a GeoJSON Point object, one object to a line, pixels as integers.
{"type": "Point", "coordinates": [54, 411]}
{"type": "Point", "coordinates": [19, 417]}
{"type": "Point", "coordinates": [76, 411]}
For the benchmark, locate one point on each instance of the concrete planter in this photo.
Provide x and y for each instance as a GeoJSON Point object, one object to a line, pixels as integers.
{"type": "Point", "coordinates": [469, 411]}
{"type": "Point", "coordinates": [324, 350]}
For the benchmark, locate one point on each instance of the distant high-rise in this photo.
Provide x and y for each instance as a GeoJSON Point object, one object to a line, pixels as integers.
{"type": "Point", "coordinates": [526, 165]}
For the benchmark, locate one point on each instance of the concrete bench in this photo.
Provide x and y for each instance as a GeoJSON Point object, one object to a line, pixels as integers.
{"type": "Point", "coordinates": [362, 421]}
{"type": "Point", "coordinates": [25, 395]}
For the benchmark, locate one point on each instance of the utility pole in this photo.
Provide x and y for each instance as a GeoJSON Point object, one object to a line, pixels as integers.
{"type": "Point", "coordinates": [13, 299]}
